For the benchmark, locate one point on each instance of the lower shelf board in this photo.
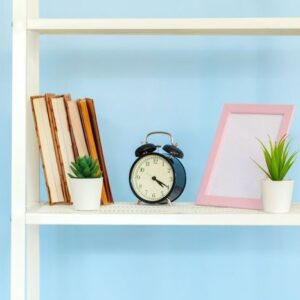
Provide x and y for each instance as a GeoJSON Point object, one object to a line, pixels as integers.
{"type": "Point", "coordinates": [123, 213]}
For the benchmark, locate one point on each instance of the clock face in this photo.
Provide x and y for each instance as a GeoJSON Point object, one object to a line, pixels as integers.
{"type": "Point", "coordinates": [152, 178]}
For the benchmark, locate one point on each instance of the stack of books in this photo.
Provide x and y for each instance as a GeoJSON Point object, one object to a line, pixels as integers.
{"type": "Point", "coordinates": [66, 130]}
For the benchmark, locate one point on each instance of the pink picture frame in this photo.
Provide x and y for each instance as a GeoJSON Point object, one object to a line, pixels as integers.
{"type": "Point", "coordinates": [231, 179]}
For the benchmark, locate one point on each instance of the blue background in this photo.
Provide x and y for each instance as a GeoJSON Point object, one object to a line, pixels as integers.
{"type": "Point", "coordinates": [170, 83]}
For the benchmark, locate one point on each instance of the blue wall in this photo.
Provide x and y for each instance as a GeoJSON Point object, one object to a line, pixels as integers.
{"type": "Point", "coordinates": [173, 83]}
{"type": "Point", "coordinates": [5, 148]}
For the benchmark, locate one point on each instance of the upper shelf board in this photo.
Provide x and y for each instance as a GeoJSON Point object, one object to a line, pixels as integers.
{"type": "Point", "coordinates": [207, 26]}
{"type": "Point", "coordinates": [124, 213]}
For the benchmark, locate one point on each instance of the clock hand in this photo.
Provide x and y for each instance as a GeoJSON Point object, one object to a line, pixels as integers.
{"type": "Point", "coordinates": [159, 182]}
{"type": "Point", "coordinates": [163, 184]}
{"type": "Point", "coordinates": [155, 179]}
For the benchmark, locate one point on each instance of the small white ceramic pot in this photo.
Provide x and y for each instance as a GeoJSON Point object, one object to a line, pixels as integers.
{"type": "Point", "coordinates": [277, 195]}
{"type": "Point", "coordinates": [86, 193]}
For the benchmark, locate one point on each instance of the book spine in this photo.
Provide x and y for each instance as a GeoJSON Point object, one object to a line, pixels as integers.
{"type": "Point", "coordinates": [57, 147]}
{"type": "Point", "coordinates": [32, 99]}
{"type": "Point", "coordinates": [90, 140]}
{"type": "Point", "coordinates": [67, 98]}
{"type": "Point", "coordinates": [96, 132]}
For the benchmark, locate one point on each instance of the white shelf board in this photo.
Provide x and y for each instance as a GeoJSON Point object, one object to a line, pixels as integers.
{"type": "Point", "coordinates": [207, 26]}
{"type": "Point", "coordinates": [179, 214]}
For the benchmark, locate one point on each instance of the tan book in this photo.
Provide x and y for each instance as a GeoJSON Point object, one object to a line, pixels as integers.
{"type": "Point", "coordinates": [46, 143]}
{"type": "Point", "coordinates": [79, 144]}
{"type": "Point", "coordinates": [90, 140]}
{"type": "Point", "coordinates": [62, 137]}
{"type": "Point", "coordinates": [97, 138]}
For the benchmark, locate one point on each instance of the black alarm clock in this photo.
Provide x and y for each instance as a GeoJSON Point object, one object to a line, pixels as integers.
{"type": "Point", "coordinates": [157, 177]}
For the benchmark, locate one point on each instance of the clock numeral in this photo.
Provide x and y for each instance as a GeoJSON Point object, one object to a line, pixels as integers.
{"type": "Point", "coordinates": [153, 195]}
{"type": "Point", "coordinates": [163, 163]}
{"type": "Point", "coordinates": [155, 161]}
{"type": "Point", "coordinates": [169, 170]}
{"type": "Point", "coordinates": [142, 169]}
{"type": "Point", "coordinates": [147, 163]}
{"type": "Point", "coordinates": [138, 177]}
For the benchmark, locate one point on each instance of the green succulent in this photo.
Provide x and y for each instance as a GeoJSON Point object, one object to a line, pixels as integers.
{"type": "Point", "coordinates": [85, 167]}
{"type": "Point", "coordinates": [278, 159]}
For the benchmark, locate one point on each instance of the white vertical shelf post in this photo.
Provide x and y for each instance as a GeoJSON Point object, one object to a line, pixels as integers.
{"type": "Point", "coordinates": [18, 193]}
{"type": "Point", "coordinates": [32, 158]}
{"type": "Point", "coordinates": [25, 162]}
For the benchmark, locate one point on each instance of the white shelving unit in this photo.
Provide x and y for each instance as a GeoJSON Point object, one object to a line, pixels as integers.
{"type": "Point", "coordinates": [180, 214]}
{"type": "Point", "coordinates": [27, 213]}
{"type": "Point", "coordinates": [248, 26]}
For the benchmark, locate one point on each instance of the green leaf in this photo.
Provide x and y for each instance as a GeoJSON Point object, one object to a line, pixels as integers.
{"type": "Point", "coordinates": [86, 172]}
{"type": "Point", "coordinates": [95, 170]}
{"type": "Point", "coordinates": [275, 171]}
{"type": "Point", "coordinates": [76, 166]}
{"type": "Point", "coordinates": [265, 151]}
{"type": "Point", "coordinates": [277, 158]}
{"type": "Point", "coordinates": [289, 163]}
{"type": "Point", "coordinates": [76, 173]}
{"type": "Point", "coordinates": [271, 146]}
{"type": "Point", "coordinates": [268, 160]}
{"type": "Point", "coordinates": [85, 167]}
{"type": "Point", "coordinates": [94, 163]}
{"type": "Point", "coordinates": [266, 172]}
{"type": "Point", "coordinates": [83, 164]}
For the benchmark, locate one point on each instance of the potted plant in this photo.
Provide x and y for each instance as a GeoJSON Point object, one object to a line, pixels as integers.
{"type": "Point", "coordinates": [86, 183]}
{"type": "Point", "coordinates": [276, 190]}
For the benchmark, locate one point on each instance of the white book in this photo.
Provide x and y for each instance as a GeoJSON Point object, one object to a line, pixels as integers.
{"type": "Point", "coordinates": [80, 147]}
{"type": "Point", "coordinates": [61, 131]}
{"type": "Point", "coordinates": [47, 150]}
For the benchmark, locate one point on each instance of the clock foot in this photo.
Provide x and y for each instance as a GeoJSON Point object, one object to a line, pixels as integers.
{"type": "Point", "coordinates": [165, 202]}
{"type": "Point", "coordinates": [169, 202]}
